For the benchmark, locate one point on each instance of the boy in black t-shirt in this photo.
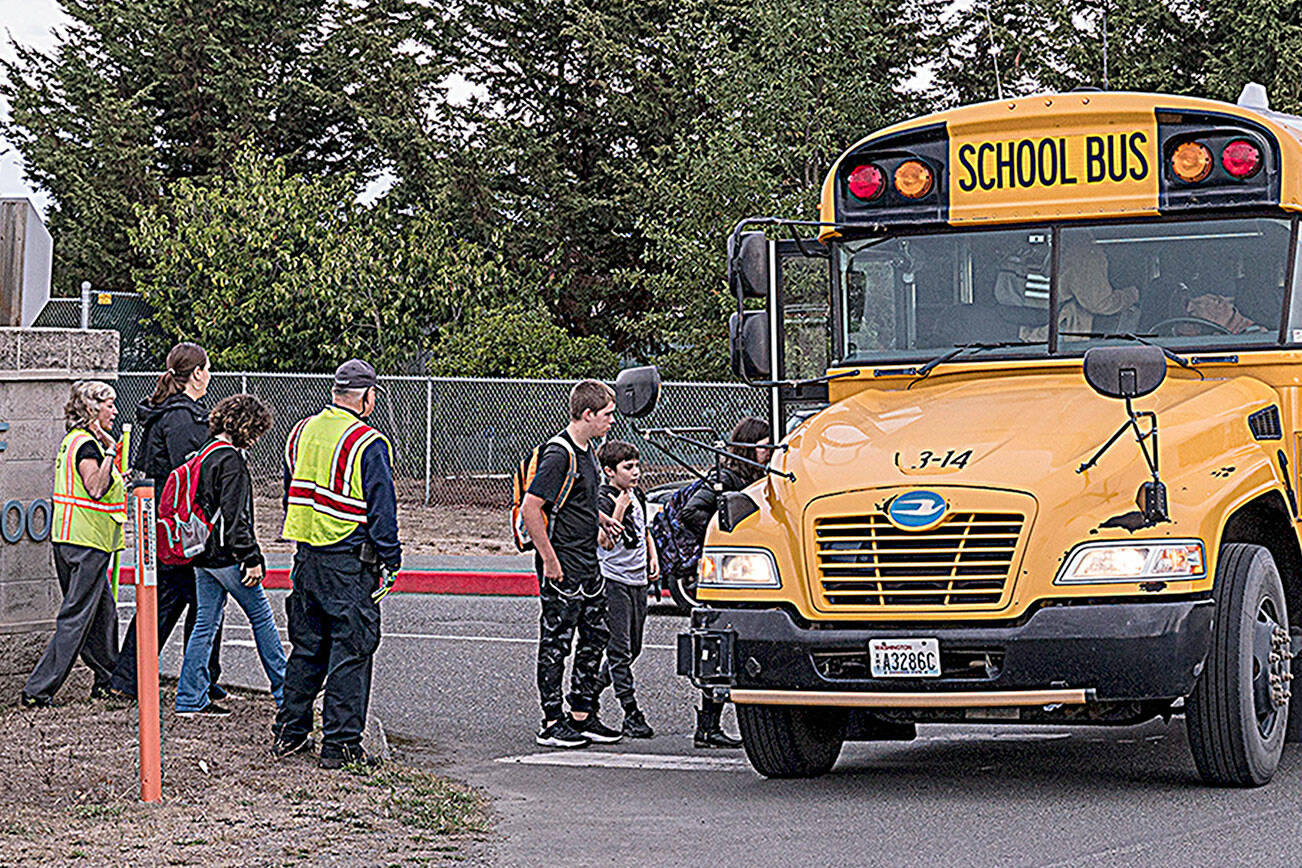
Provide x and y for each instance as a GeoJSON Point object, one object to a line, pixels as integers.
{"type": "Point", "coordinates": [571, 589]}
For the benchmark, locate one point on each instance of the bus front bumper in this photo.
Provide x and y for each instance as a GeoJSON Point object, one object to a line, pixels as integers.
{"type": "Point", "coordinates": [1059, 654]}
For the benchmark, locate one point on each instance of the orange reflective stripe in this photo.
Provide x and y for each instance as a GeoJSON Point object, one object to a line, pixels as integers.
{"type": "Point", "coordinates": [98, 506]}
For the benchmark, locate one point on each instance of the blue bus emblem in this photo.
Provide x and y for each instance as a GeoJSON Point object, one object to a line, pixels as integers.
{"type": "Point", "coordinates": [917, 510]}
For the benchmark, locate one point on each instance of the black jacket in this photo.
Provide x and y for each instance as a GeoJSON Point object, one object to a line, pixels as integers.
{"type": "Point", "coordinates": [701, 506]}
{"type": "Point", "coordinates": [167, 435]}
{"type": "Point", "coordinates": [226, 496]}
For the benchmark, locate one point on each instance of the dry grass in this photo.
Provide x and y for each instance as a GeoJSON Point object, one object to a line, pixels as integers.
{"type": "Point", "coordinates": [70, 796]}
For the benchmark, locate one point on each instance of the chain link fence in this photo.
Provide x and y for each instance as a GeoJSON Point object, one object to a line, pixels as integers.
{"type": "Point", "coordinates": [127, 313]}
{"type": "Point", "coordinates": [457, 441]}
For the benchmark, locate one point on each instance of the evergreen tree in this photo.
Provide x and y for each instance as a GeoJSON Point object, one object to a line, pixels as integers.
{"type": "Point", "coordinates": [140, 93]}
{"type": "Point", "coordinates": [784, 88]}
{"type": "Point", "coordinates": [578, 97]}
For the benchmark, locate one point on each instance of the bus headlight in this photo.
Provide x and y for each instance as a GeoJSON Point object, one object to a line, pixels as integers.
{"type": "Point", "coordinates": [1167, 560]}
{"type": "Point", "coordinates": [737, 568]}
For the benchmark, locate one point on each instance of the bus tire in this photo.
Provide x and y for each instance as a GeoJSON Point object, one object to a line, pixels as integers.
{"type": "Point", "coordinates": [1235, 721]}
{"type": "Point", "coordinates": [784, 741]}
{"type": "Point", "coordinates": [683, 589]}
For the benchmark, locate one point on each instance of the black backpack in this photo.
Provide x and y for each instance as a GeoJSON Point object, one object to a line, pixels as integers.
{"type": "Point", "coordinates": [678, 548]}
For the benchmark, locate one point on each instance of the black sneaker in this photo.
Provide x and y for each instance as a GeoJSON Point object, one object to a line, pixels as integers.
{"type": "Point", "coordinates": [34, 701]}
{"type": "Point", "coordinates": [211, 710]}
{"type": "Point", "coordinates": [561, 734]}
{"type": "Point", "coordinates": [283, 747]}
{"type": "Point", "coordinates": [635, 725]}
{"type": "Point", "coordinates": [595, 730]}
{"type": "Point", "coordinates": [337, 758]}
{"type": "Point", "coordinates": [216, 692]}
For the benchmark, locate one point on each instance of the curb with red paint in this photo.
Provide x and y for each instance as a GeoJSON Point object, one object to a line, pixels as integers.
{"type": "Point", "coordinates": [421, 582]}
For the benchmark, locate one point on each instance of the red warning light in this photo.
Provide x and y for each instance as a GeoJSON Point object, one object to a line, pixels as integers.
{"type": "Point", "coordinates": [867, 182]}
{"type": "Point", "coordinates": [1241, 158]}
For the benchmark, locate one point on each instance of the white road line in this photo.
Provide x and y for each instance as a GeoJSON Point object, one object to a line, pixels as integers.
{"type": "Point", "coordinates": [433, 637]}
{"type": "Point", "coordinates": [509, 639]}
{"type": "Point", "coordinates": [599, 759]}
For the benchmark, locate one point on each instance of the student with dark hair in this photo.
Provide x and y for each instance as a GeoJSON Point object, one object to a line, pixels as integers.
{"type": "Point", "coordinates": [172, 425]}
{"type": "Point", "coordinates": [733, 475]}
{"type": "Point", "coordinates": [569, 580]}
{"type": "Point", "coordinates": [628, 560]}
{"type": "Point", "coordinates": [232, 563]}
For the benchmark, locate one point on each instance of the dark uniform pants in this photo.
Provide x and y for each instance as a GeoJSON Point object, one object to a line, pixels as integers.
{"type": "Point", "coordinates": [626, 617]}
{"type": "Point", "coordinates": [582, 606]}
{"type": "Point", "coordinates": [176, 595]}
{"type": "Point", "coordinates": [334, 626]}
{"type": "Point", "coordinates": [87, 623]}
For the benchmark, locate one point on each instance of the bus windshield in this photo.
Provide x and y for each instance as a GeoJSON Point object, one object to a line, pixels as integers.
{"type": "Point", "coordinates": [1205, 283]}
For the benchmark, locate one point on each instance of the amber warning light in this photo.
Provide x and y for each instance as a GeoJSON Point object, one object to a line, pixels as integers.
{"type": "Point", "coordinates": [913, 179]}
{"type": "Point", "coordinates": [1191, 162]}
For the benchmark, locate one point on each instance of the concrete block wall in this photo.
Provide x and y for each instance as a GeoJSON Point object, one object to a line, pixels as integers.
{"type": "Point", "coordinates": [37, 368]}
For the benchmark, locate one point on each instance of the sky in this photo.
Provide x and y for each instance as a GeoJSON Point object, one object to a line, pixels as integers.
{"type": "Point", "coordinates": [28, 22]}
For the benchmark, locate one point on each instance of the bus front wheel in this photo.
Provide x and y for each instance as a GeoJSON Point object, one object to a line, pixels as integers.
{"type": "Point", "coordinates": [784, 741]}
{"type": "Point", "coordinates": [682, 587]}
{"type": "Point", "coordinates": [1237, 715]}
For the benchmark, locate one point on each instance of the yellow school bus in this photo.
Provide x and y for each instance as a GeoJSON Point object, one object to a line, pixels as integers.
{"type": "Point", "coordinates": [1035, 375]}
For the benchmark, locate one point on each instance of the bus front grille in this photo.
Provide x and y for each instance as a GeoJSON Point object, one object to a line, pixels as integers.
{"type": "Point", "coordinates": [864, 560]}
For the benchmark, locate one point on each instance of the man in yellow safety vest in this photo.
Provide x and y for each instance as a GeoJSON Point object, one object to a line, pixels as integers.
{"type": "Point", "coordinates": [341, 509]}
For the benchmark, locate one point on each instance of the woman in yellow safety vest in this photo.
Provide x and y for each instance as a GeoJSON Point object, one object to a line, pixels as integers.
{"type": "Point", "coordinates": [90, 508]}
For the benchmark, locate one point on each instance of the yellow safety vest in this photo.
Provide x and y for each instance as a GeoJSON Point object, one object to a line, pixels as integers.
{"type": "Point", "coordinates": [327, 501]}
{"type": "Point", "coordinates": [78, 518]}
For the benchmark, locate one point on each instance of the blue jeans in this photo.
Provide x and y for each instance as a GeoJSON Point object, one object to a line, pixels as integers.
{"type": "Point", "coordinates": [212, 585]}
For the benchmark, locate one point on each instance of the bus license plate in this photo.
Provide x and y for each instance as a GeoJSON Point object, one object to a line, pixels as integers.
{"type": "Point", "coordinates": [904, 658]}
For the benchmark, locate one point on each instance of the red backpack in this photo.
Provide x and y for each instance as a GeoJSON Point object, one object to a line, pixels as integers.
{"type": "Point", "coordinates": [183, 529]}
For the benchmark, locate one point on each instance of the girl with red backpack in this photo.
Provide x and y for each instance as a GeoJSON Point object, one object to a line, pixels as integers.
{"type": "Point", "coordinates": [231, 563]}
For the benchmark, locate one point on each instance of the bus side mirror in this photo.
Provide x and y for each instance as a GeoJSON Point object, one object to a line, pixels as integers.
{"type": "Point", "coordinates": [637, 390]}
{"type": "Point", "coordinates": [1125, 372]}
{"type": "Point", "coordinates": [748, 345]}
{"type": "Point", "coordinates": [748, 266]}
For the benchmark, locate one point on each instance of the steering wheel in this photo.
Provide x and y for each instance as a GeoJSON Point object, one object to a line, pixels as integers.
{"type": "Point", "coordinates": [1189, 320]}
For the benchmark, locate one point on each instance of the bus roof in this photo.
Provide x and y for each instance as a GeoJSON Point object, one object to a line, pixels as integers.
{"type": "Point", "coordinates": [1075, 155]}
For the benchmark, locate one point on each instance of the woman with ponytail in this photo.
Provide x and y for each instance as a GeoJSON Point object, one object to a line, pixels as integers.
{"type": "Point", "coordinates": [171, 425]}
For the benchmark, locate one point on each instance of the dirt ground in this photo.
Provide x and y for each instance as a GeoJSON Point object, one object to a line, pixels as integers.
{"type": "Point", "coordinates": [424, 530]}
{"type": "Point", "coordinates": [70, 796]}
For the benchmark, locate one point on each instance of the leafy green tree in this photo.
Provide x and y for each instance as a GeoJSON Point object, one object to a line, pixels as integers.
{"type": "Point", "coordinates": [1259, 42]}
{"type": "Point", "coordinates": [141, 93]}
{"type": "Point", "coordinates": [519, 341]}
{"type": "Point", "coordinates": [273, 271]}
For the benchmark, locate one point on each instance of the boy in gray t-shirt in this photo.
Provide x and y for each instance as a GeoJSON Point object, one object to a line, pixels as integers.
{"type": "Point", "coordinates": [626, 563]}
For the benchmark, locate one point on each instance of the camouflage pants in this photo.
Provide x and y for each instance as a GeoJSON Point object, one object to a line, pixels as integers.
{"type": "Point", "coordinates": [563, 610]}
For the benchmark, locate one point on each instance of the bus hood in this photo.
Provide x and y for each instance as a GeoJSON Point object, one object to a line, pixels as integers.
{"type": "Point", "coordinates": [1027, 433]}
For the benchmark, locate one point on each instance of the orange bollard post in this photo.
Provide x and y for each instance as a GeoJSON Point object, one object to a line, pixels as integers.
{"type": "Point", "coordinates": [151, 748]}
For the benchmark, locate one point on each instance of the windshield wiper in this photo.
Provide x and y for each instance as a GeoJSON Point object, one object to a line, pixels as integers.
{"type": "Point", "coordinates": [1131, 336]}
{"type": "Point", "coordinates": [921, 373]}
{"type": "Point", "coordinates": [812, 381]}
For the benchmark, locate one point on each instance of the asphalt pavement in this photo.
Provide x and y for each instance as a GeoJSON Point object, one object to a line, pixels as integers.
{"type": "Point", "coordinates": [454, 682]}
